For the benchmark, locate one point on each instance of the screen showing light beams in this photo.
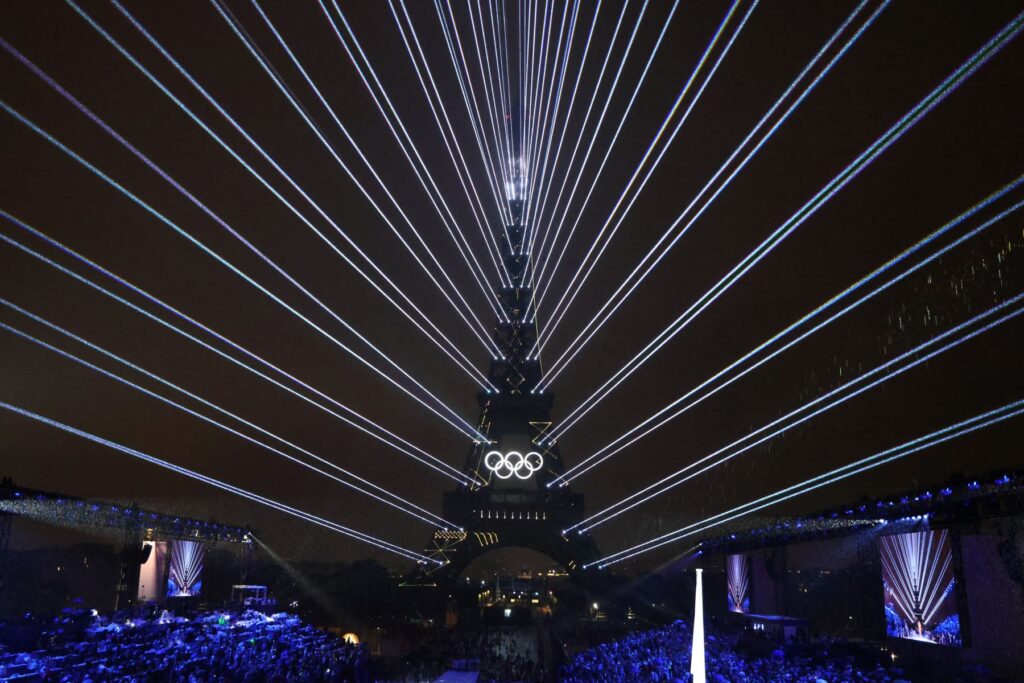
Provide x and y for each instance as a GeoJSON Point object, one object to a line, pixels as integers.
{"type": "Point", "coordinates": [737, 581]}
{"type": "Point", "coordinates": [919, 587]}
{"type": "Point", "coordinates": [185, 575]}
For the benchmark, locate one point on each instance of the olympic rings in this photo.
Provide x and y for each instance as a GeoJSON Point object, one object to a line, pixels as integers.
{"type": "Point", "coordinates": [505, 465]}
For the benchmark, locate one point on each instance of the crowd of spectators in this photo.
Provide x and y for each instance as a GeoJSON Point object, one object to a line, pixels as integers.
{"type": "Point", "coordinates": [664, 655]}
{"type": "Point", "coordinates": [501, 655]}
{"type": "Point", "coordinates": [81, 646]}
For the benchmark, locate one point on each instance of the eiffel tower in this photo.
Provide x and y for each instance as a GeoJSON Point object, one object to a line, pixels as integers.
{"type": "Point", "coordinates": [511, 505]}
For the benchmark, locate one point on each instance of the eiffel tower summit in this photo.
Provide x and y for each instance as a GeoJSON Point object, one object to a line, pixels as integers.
{"type": "Point", "coordinates": [518, 498]}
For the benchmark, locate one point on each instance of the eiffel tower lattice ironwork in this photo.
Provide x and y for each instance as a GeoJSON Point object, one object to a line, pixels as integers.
{"type": "Point", "coordinates": [512, 505]}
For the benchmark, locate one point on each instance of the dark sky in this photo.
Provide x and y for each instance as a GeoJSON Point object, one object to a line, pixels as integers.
{"type": "Point", "coordinates": [965, 149]}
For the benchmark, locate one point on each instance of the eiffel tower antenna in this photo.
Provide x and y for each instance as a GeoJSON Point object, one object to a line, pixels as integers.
{"type": "Point", "coordinates": [510, 503]}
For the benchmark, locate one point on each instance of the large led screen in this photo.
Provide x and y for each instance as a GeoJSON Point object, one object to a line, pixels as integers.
{"type": "Point", "coordinates": [185, 574]}
{"type": "Point", "coordinates": [151, 574]}
{"type": "Point", "coordinates": [737, 581]}
{"type": "Point", "coordinates": [919, 586]}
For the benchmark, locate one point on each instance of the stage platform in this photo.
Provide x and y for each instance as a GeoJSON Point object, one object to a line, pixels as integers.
{"type": "Point", "coordinates": [454, 676]}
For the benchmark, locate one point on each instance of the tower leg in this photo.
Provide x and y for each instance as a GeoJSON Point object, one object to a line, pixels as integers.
{"type": "Point", "coordinates": [128, 581]}
{"type": "Point", "coordinates": [697, 651]}
{"type": "Point", "coordinates": [6, 520]}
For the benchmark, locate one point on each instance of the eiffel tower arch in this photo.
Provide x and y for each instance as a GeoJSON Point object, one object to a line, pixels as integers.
{"type": "Point", "coordinates": [511, 504]}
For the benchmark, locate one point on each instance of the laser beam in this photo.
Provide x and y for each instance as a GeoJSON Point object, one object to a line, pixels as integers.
{"type": "Point", "coordinates": [561, 307]}
{"type": "Point", "coordinates": [545, 94]}
{"type": "Point", "coordinates": [192, 474]}
{"type": "Point", "coordinates": [939, 436]}
{"type": "Point", "coordinates": [405, 140]}
{"type": "Point", "coordinates": [551, 122]}
{"type": "Point", "coordinates": [357, 420]}
{"type": "Point", "coordinates": [577, 344]}
{"type": "Point", "coordinates": [435, 337]}
{"type": "Point", "coordinates": [402, 505]}
{"type": "Point", "coordinates": [490, 95]}
{"type": "Point", "coordinates": [894, 133]}
{"type": "Point", "coordinates": [583, 126]}
{"type": "Point", "coordinates": [561, 140]}
{"type": "Point", "coordinates": [590, 146]}
{"type": "Point", "coordinates": [464, 428]}
{"type": "Point", "coordinates": [617, 444]}
{"type": "Point", "coordinates": [472, 110]}
{"type": "Point", "coordinates": [461, 311]}
{"type": "Point", "coordinates": [461, 165]}
{"type": "Point", "coordinates": [670, 481]}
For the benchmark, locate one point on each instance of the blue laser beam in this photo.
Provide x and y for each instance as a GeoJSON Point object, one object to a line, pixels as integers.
{"type": "Point", "coordinates": [562, 306]}
{"type": "Point", "coordinates": [205, 209]}
{"type": "Point", "coordinates": [403, 505]}
{"type": "Point", "coordinates": [529, 106]}
{"type": "Point", "coordinates": [192, 474]}
{"type": "Point", "coordinates": [447, 131]}
{"type": "Point", "coordinates": [583, 127]}
{"type": "Point", "coordinates": [605, 452]}
{"type": "Point", "coordinates": [472, 109]}
{"type": "Point", "coordinates": [465, 364]}
{"type": "Point", "coordinates": [500, 50]}
{"type": "Point", "coordinates": [399, 443]}
{"type": "Point", "coordinates": [406, 143]}
{"type": "Point", "coordinates": [593, 139]}
{"type": "Point", "coordinates": [490, 89]}
{"type": "Point", "coordinates": [667, 482]}
{"type": "Point", "coordinates": [561, 140]}
{"type": "Point", "coordinates": [576, 345]}
{"type": "Point", "coordinates": [551, 124]}
{"type": "Point", "coordinates": [546, 91]}
{"type": "Point", "coordinates": [968, 426]}
{"type": "Point", "coordinates": [464, 428]}
{"type": "Point", "coordinates": [461, 311]}
{"type": "Point", "coordinates": [894, 133]}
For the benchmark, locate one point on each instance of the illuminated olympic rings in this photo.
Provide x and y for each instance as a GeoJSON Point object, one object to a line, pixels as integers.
{"type": "Point", "coordinates": [505, 465]}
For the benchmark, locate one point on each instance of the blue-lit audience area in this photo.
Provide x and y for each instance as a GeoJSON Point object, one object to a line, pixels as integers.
{"type": "Point", "coordinates": [494, 654]}
{"type": "Point", "coordinates": [215, 646]}
{"type": "Point", "coordinates": [663, 654]}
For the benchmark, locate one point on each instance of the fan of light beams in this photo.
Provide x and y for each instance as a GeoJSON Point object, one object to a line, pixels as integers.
{"type": "Point", "coordinates": [737, 577]}
{"type": "Point", "coordinates": [186, 569]}
{"type": "Point", "coordinates": [918, 574]}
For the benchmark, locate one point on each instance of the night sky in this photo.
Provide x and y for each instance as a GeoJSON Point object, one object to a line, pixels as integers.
{"type": "Point", "coordinates": [967, 148]}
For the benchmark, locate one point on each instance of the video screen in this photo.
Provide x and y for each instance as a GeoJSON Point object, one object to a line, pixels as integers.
{"type": "Point", "coordinates": [737, 581]}
{"type": "Point", "coordinates": [917, 575]}
{"type": "Point", "coordinates": [185, 574]}
{"type": "Point", "coordinates": [151, 574]}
